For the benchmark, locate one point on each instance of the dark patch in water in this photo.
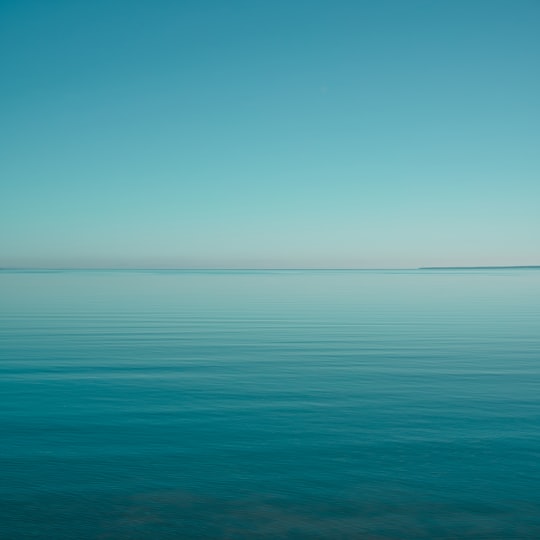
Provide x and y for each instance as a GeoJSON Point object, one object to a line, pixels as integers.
{"type": "Point", "coordinates": [186, 516]}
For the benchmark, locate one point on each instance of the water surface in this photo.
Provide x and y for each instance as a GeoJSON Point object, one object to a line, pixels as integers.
{"type": "Point", "coordinates": [270, 404]}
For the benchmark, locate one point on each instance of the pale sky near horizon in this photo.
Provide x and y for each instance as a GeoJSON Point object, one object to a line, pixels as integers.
{"type": "Point", "coordinates": [383, 133]}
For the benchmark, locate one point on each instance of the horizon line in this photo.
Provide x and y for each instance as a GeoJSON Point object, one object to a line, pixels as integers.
{"type": "Point", "coordinates": [251, 269]}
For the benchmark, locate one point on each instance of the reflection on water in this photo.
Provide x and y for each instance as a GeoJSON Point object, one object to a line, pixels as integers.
{"type": "Point", "coordinates": [353, 405]}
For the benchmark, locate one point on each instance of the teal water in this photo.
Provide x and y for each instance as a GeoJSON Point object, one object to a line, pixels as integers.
{"type": "Point", "coordinates": [368, 405]}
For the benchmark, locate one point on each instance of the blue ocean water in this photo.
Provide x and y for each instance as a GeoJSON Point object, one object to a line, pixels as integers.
{"type": "Point", "coordinates": [369, 405]}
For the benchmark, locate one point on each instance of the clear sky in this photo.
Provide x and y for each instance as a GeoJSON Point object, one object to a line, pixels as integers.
{"type": "Point", "coordinates": [275, 133]}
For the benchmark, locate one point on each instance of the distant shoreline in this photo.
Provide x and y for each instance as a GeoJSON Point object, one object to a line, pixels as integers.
{"type": "Point", "coordinates": [527, 267]}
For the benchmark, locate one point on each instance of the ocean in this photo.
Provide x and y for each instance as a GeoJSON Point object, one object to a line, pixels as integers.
{"type": "Point", "coordinates": [298, 404]}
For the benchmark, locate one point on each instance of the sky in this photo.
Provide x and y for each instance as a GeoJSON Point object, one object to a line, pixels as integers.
{"type": "Point", "coordinates": [269, 134]}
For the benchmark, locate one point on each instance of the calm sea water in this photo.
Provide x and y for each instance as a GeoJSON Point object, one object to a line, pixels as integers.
{"type": "Point", "coordinates": [368, 405]}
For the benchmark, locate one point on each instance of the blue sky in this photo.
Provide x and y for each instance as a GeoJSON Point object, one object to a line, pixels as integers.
{"type": "Point", "coordinates": [269, 134]}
